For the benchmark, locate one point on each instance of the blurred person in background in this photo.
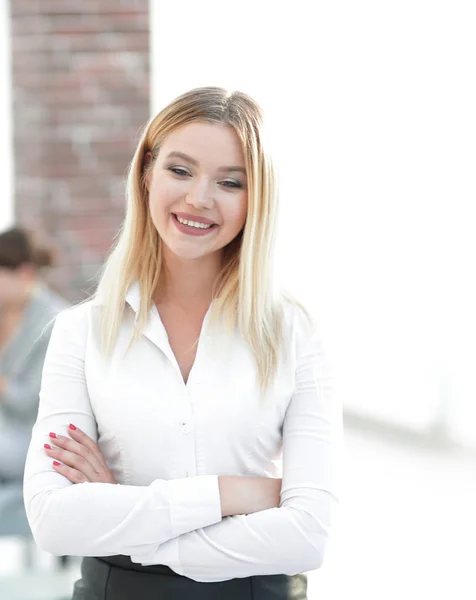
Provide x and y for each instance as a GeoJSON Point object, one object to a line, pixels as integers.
{"type": "Point", "coordinates": [27, 306]}
{"type": "Point", "coordinates": [187, 437]}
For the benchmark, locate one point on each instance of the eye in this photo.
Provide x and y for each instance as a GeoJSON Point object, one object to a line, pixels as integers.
{"type": "Point", "coordinates": [231, 183]}
{"type": "Point", "coordinates": [179, 171]}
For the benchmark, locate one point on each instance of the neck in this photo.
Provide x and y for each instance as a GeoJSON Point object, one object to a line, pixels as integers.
{"type": "Point", "coordinates": [187, 281]}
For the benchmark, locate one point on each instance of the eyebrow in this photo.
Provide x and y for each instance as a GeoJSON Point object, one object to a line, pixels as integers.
{"type": "Point", "coordinates": [195, 162]}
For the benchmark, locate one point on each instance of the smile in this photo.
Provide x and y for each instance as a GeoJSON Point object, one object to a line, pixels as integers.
{"type": "Point", "coordinates": [193, 223]}
{"type": "Point", "coordinates": [191, 227]}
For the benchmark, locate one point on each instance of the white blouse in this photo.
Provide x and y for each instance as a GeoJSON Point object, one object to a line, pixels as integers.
{"type": "Point", "coordinates": [167, 442]}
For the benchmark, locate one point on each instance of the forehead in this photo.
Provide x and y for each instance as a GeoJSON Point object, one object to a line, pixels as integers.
{"type": "Point", "coordinates": [206, 142]}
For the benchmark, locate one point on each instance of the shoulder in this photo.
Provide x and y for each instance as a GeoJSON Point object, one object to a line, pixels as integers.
{"type": "Point", "coordinates": [297, 318]}
{"type": "Point", "coordinates": [67, 334]}
{"type": "Point", "coordinates": [301, 330]}
{"type": "Point", "coordinates": [74, 319]}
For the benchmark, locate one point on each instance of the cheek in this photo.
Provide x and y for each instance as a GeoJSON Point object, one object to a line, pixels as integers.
{"type": "Point", "coordinates": [160, 201]}
{"type": "Point", "coordinates": [157, 204]}
{"type": "Point", "coordinates": [164, 191]}
{"type": "Point", "coordinates": [235, 213]}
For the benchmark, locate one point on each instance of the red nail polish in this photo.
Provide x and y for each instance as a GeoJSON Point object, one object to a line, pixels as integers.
{"type": "Point", "coordinates": [47, 446]}
{"type": "Point", "coordinates": [53, 435]}
{"type": "Point", "coordinates": [71, 426]}
{"type": "Point", "coordinates": [56, 463]}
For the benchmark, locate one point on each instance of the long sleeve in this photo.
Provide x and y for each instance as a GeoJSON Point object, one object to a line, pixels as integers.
{"type": "Point", "coordinates": [291, 538]}
{"type": "Point", "coordinates": [98, 519]}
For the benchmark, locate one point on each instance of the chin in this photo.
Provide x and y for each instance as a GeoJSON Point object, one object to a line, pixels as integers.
{"type": "Point", "coordinates": [188, 253]}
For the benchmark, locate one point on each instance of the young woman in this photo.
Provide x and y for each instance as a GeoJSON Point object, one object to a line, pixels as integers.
{"type": "Point", "coordinates": [191, 434]}
{"type": "Point", "coordinates": [27, 305]}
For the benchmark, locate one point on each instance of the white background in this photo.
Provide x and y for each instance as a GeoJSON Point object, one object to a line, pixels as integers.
{"type": "Point", "coordinates": [371, 107]}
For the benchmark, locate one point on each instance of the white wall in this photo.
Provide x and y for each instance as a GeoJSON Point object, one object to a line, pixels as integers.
{"type": "Point", "coordinates": [372, 105]}
{"type": "Point", "coordinates": [6, 153]}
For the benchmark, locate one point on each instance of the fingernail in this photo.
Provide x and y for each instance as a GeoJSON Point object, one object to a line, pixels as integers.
{"type": "Point", "coordinates": [56, 463]}
{"type": "Point", "coordinates": [53, 435]}
{"type": "Point", "coordinates": [47, 446]}
{"type": "Point", "coordinates": [71, 426]}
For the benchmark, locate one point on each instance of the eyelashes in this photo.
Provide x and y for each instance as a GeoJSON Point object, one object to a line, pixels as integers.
{"type": "Point", "coordinates": [178, 171]}
{"type": "Point", "coordinates": [228, 183]}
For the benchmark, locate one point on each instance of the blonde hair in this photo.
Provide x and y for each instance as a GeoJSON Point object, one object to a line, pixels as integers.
{"type": "Point", "coordinates": [245, 294]}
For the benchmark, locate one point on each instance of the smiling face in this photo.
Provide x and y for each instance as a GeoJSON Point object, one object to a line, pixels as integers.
{"type": "Point", "coordinates": [198, 194]}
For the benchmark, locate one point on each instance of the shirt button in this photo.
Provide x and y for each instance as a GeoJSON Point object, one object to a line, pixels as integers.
{"type": "Point", "coordinates": [185, 428]}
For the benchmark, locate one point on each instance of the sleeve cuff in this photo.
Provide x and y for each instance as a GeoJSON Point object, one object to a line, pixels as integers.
{"type": "Point", "coordinates": [194, 503]}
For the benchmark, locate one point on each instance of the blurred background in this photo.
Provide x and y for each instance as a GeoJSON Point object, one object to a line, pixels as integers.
{"type": "Point", "coordinates": [370, 107]}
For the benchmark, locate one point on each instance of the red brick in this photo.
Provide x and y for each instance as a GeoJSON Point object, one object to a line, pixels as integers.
{"type": "Point", "coordinates": [81, 96]}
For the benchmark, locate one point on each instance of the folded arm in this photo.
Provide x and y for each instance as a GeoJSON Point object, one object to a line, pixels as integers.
{"type": "Point", "coordinates": [99, 519]}
{"type": "Point", "coordinates": [291, 538]}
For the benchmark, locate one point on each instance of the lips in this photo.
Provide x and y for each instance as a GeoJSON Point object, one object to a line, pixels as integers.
{"type": "Point", "coordinates": [200, 229]}
{"type": "Point", "coordinates": [196, 218]}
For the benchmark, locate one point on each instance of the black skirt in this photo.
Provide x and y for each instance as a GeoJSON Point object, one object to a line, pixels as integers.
{"type": "Point", "coordinates": [118, 578]}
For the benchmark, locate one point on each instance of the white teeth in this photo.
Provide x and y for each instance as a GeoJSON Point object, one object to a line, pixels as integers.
{"type": "Point", "coordinates": [193, 223]}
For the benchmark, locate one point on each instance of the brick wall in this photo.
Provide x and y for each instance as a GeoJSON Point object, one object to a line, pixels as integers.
{"type": "Point", "coordinates": [80, 97]}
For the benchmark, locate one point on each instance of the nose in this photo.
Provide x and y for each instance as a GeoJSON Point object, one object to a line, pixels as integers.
{"type": "Point", "coordinates": [200, 194]}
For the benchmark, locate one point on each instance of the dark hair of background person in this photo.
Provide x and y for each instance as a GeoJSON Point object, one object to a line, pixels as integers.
{"type": "Point", "coordinates": [20, 246]}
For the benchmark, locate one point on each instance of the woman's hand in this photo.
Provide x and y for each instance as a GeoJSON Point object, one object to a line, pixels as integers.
{"type": "Point", "coordinates": [82, 460]}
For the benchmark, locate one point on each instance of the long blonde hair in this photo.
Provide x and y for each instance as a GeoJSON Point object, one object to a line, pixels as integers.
{"type": "Point", "coordinates": [245, 294]}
